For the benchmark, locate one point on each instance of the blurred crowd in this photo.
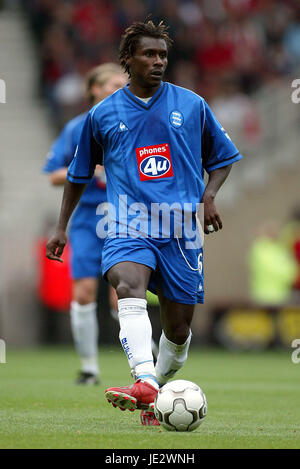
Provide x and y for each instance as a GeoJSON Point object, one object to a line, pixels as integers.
{"type": "Point", "coordinates": [224, 49]}
{"type": "Point", "coordinates": [274, 262]}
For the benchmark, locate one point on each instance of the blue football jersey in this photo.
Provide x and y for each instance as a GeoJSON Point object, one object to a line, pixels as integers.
{"type": "Point", "coordinates": [154, 153]}
{"type": "Point", "coordinates": [61, 154]}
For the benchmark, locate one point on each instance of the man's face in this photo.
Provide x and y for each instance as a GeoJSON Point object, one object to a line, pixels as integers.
{"type": "Point", "coordinates": [112, 84]}
{"type": "Point", "coordinates": [149, 62]}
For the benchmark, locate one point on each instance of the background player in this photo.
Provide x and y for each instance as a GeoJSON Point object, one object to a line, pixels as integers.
{"type": "Point", "coordinates": [86, 246]}
{"type": "Point", "coordinates": [148, 117]}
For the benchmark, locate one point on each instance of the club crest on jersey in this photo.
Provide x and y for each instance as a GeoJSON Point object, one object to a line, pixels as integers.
{"type": "Point", "coordinates": [176, 119]}
{"type": "Point", "coordinates": [154, 162]}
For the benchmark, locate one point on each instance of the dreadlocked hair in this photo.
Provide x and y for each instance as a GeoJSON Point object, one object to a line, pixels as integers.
{"type": "Point", "coordinates": [137, 30]}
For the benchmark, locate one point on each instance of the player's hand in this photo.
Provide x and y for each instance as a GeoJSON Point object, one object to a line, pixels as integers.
{"type": "Point", "coordinates": [55, 246]}
{"type": "Point", "coordinates": [212, 219]}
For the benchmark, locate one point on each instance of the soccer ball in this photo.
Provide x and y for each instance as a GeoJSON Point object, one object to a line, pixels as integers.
{"type": "Point", "coordinates": [180, 406]}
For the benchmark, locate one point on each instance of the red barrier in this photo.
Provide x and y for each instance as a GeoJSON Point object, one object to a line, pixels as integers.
{"type": "Point", "coordinates": [54, 279]}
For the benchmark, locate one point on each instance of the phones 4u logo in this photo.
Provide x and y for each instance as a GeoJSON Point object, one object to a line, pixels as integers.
{"type": "Point", "coordinates": [2, 91]}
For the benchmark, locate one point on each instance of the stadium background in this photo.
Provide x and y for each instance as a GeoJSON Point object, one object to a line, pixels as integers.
{"type": "Point", "coordinates": [241, 55]}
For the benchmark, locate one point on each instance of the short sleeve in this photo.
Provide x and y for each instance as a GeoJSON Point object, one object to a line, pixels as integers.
{"type": "Point", "coordinates": [88, 154]}
{"type": "Point", "coordinates": [60, 153]}
{"type": "Point", "coordinates": [218, 150]}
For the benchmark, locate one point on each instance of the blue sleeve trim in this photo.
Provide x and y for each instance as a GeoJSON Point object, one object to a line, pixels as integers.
{"type": "Point", "coordinates": [204, 115]}
{"type": "Point", "coordinates": [226, 162]}
{"type": "Point", "coordinates": [79, 179]}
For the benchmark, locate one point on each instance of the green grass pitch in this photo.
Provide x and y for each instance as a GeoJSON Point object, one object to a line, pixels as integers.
{"type": "Point", "coordinates": [253, 402]}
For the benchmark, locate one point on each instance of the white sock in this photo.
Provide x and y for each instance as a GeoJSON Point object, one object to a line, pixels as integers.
{"type": "Point", "coordinates": [171, 358]}
{"type": "Point", "coordinates": [135, 337]}
{"type": "Point", "coordinates": [84, 325]}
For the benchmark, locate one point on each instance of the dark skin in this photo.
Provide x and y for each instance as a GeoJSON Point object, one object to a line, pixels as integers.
{"type": "Point", "coordinates": [147, 66]}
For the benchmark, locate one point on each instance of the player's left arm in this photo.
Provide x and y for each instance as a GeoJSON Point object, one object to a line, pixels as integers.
{"type": "Point", "coordinates": [211, 215]}
{"type": "Point", "coordinates": [218, 155]}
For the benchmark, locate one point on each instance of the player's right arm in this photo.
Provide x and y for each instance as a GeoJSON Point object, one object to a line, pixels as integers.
{"type": "Point", "coordinates": [219, 154]}
{"type": "Point", "coordinates": [88, 154]}
{"type": "Point", "coordinates": [71, 197]}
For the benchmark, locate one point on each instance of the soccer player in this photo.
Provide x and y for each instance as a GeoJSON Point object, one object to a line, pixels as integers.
{"type": "Point", "coordinates": [86, 246]}
{"type": "Point", "coordinates": [155, 140]}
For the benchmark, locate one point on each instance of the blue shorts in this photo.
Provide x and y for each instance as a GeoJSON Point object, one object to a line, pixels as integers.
{"type": "Point", "coordinates": [176, 270]}
{"type": "Point", "coordinates": [86, 246]}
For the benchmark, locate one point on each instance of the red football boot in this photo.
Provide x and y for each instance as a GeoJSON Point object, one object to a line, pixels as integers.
{"type": "Point", "coordinates": [140, 395]}
{"type": "Point", "coordinates": [148, 419]}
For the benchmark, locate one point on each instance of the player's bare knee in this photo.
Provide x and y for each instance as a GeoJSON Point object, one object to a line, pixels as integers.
{"type": "Point", "coordinates": [84, 299]}
{"type": "Point", "coordinates": [129, 279]}
{"type": "Point", "coordinates": [84, 293]}
{"type": "Point", "coordinates": [131, 287]}
{"type": "Point", "coordinates": [130, 290]}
